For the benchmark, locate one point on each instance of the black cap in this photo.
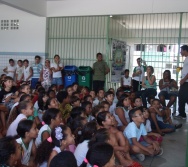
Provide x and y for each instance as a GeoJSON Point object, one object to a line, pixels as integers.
{"type": "Point", "coordinates": [184, 47]}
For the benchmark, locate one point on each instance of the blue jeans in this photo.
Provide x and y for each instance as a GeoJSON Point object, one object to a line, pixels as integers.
{"type": "Point", "coordinates": [57, 81]}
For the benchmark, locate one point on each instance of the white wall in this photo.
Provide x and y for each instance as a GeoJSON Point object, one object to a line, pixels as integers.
{"type": "Point", "coordinates": [114, 7]}
{"type": "Point", "coordinates": [31, 34]}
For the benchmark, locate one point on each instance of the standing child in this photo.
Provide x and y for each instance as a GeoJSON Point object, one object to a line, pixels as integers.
{"type": "Point", "coordinates": [46, 75]}
{"type": "Point", "coordinates": [56, 67]}
{"type": "Point", "coordinates": [27, 71]}
{"type": "Point", "coordinates": [25, 109]}
{"type": "Point", "coordinates": [126, 81]}
{"type": "Point", "coordinates": [60, 140]}
{"type": "Point", "coordinates": [27, 132]}
{"type": "Point", "coordinates": [134, 131]}
{"type": "Point", "coordinates": [19, 72]}
{"type": "Point", "coordinates": [10, 69]}
{"type": "Point", "coordinates": [36, 67]}
{"type": "Point", "coordinates": [51, 119]}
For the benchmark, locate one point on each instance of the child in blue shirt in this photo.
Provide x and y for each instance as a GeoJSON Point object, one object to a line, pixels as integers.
{"type": "Point", "coordinates": [134, 130]}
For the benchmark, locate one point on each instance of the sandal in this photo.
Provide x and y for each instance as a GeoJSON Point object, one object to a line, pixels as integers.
{"type": "Point", "coordinates": [160, 152]}
{"type": "Point", "coordinates": [140, 157]}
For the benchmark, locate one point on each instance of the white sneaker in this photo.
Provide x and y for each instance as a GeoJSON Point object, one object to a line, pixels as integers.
{"type": "Point", "coordinates": [140, 157]}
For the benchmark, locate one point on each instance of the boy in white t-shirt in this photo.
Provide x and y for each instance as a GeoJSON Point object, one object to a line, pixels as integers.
{"type": "Point", "coordinates": [10, 69]}
{"type": "Point", "coordinates": [56, 68]}
{"type": "Point", "coordinates": [19, 72]}
{"type": "Point", "coordinates": [126, 81]}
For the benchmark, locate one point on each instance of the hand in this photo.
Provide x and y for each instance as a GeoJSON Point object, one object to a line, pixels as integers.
{"type": "Point", "coordinates": [157, 135]}
{"type": "Point", "coordinates": [182, 81]}
{"type": "Point", "coordinates": [150, 151]}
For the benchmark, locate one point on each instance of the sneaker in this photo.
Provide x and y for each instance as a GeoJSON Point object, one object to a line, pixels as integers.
{"type": "Point", "coordinates": [160, 152]}
{"type": "Point", "coordinates": [179, 117]}
{"type": "Point", "coordinates": [177, 126]}
{"type": "Point", "coordinates": [140, 157]}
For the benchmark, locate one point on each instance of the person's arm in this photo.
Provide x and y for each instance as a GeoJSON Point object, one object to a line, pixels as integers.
{"type": "Point", "coordinates": [5, 70]}
{"type": "Point", "coordinates": [143, 82]}
{"type": "Point", "coordinates": [45, 135]}
{"type": "Point", "coordinates": [184, 79]}
{"type": "Point", "coordinates": [153, 143]}
{"type": "Point", "coordinates": [135, 73]}
{"type": "Point", "coordinates": [31, 74]}
{"type": "Point", "coordinates": [107, 69]}
{"type": "Point", "coordinates": [121, 115]}
{"type": "Point", "coordinates": [174, 84]}
{"type": "Point", "coordinates": [41, 75]}
{"type": "Point", "coordinates": [161, 86]}
{"type": "Point", "coordinates": [122, 82]}
{"type": "Point", "coordinates": [151, 80]}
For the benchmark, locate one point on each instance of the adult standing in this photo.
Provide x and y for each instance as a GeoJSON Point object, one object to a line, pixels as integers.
{"type": "Point", "coordinates": [138, 74]}
{"type": "Point", "coordinates": [183, 95]}
{"type": "Point", "coordinates": [36, 67]}
{"type": "Point", "coordinates": [100, 69]}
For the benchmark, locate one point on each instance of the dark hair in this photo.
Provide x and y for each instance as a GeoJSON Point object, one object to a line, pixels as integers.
{"type": "Point", "coordinates": [132, 112]}
{"type": "Point", "coordinates": [7, 147]}
{"type": "Point", "coordinates": [126, 70]}
{"type": "Point", "coordinates": [76, 92]}
{"type": "Point", "coordinates": [139, 59]}
{"type": "Point", "coordinates": [137, 97]}
{"type": "Point", "coordinates": [50, 114]}
{"type": "Point", "coordinates": [108, 93]}
{"type": "Point", "coordinates": [41, 103]}
{"type": "Point", "coordinates": [49, 91]}
{"type": "Point", "coordinates": [184, 47]}
{"type": "Point", "coordinates": [61, 96]}
{"type": "Point", "coordinates": [27, 61]}
{"type": "Point", "coordinates": [74, 99]}
{"type": "Point", "coordinates": [85, 103]}
{"type": "Point", "coordinates": [150, 98]}
{"type": "Point", "coordinates": [11, 60]}
{"type": "Point", "coordinates": [45, 148]}
{"type": "Point", "coordinates": [169, 74]}
{"type": "Point", "coordinates": [118, 92]}
{"type": "Point", "coordinates": [37, 57]}
{"type": "Point", "coordinates": [88, 130]}
{"type": "Point", "coordinates": [20, 61]}
{"type": "Point", "coordinates": [121, 99]}
{"type": "Point", "coordinates": [76, 112]}
{"type": "Point", "coordinates": [103, 103]}
{"type": "Point", "coordinates": [101, 135]}
{"type": "Point", "coordinates": [102, 117]}
{"type": "Point", "coordinates": [99, 89]}
{"type": "Point", "coordinates": [23, 105]}
{"type": "Point", "coordinates": [96, 109]}
{"type": "Point", "coordinates": [86, 97]}
{"type": "Point", "coordinates": [23, 86]}
{"type": "Point", "coordinates": [23, 127]}
{"type": "Point", "coordinates": [23, 97]}
{"type": "Point", "coordinates": [69, 86]}
{"type": "Point", "coordinates": [56, 56]}
{"type": "Point", "coordinates": [6, 79]}
{"type": "Point", "coordinates": [155, 100]}
{"type": "Point", "coordinates": [98, 54]}
{"type": "Point", "coordinates": [48, 103]}
{"type": "Point", "coordinates": [99, 154]}
{"type": "Point", "coordinates": [64, 159]}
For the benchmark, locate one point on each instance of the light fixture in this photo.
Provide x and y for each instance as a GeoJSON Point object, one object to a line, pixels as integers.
{"type": "Point", "coordinates": [111, 16]}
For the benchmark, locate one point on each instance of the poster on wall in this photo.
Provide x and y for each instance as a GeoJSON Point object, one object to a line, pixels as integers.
{"type": "Point", "coordinates": [119, 50]}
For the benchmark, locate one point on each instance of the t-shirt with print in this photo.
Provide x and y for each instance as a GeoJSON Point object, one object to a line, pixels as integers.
{"type": "Point", "coordinates": [99, 68]}
{"type": "Point", "coordinates": [140, 77]}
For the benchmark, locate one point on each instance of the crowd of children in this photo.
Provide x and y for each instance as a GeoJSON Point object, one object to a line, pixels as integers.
{"type": "Point", "coordinates": [47, 127]}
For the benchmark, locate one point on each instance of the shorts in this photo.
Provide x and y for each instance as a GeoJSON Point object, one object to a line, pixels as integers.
{"type": "Point", "coordinates": [57, 81]}
{"type": "Point", "coordinates": [167, 95]}
{"type": "Point", "coordinates": [162, 125]}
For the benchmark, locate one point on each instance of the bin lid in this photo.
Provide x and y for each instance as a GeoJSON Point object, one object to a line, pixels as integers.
{"type": "Point", "coordinates": [70, 68]}
{"type": "Point", "coordinates": [84, 68]}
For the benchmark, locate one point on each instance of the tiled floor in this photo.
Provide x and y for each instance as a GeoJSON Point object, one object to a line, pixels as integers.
{"type": "Point", "coordinates": [174, 146]}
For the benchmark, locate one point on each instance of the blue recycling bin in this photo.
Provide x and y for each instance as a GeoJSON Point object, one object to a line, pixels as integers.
{"type": "Point", "coordinates": [70, 75]}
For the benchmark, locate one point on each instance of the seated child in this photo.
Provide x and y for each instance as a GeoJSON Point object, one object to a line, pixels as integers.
{"type": "Point", "coordinates": [25, 109]}
{"type": "Point", "coordinates": [10, 152]}
{"type": "Point", "coordinates": [159, 117]}
{"type": "Point", "coordinates": [51, 119]}
{"type": "Point", "coordinates": [88, 108]}
{"type": "Point", "coordinates": [74, 101]}
{"type": "Point", "coordinates": [138, 102]}
{"type": "Point", "coordinates": [64, 158]}
{"type": "Point", "coordinates": [134, 131]}
{"type": "Point", "coordinates": [27, 132]}
{"type": "Point", "coordinates": [105, 105]}
{"type": "Point", "coordinates": [59, 141]}
{"type": "Point", "coordinates": [126, 81]}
